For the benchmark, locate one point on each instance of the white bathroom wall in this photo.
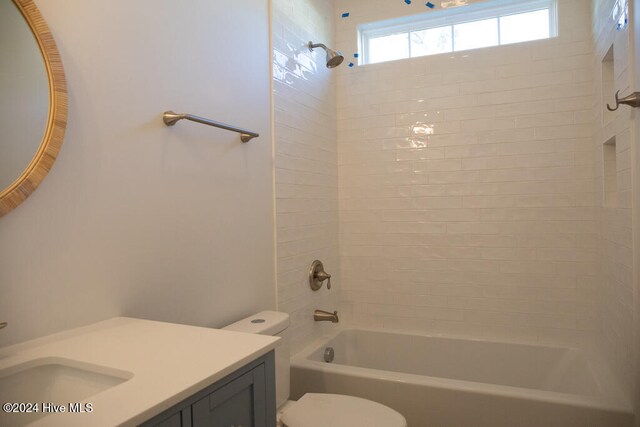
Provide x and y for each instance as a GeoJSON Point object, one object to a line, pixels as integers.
{"type": "Point", "coordinates": [467, 185]}
{"type": "Point", "coordinates": [135, 218]}
{"type": "Point", "coordinates": [614, 217]}
{"type": "Point", "coordinates": [306, 162]}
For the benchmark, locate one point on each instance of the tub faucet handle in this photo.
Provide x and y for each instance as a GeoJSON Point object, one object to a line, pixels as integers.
{"type": "Point", "coordinates": [322, 276]}
{"type": "Point", "coordinates": [317, 276]}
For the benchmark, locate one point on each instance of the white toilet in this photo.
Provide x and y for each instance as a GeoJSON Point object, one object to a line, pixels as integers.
{"type": "Point", "coordinates": [313, 409]}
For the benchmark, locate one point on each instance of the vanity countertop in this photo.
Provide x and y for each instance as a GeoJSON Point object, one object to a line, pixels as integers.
{"type": "Point", "coordinates": [169, 363]}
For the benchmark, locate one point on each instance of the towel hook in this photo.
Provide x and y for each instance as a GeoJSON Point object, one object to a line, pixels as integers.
{"type": "Point", "coordinates": [632, 100]}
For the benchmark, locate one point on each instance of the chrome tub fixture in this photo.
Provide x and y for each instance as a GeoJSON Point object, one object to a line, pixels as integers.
{"type": "Point", "coordinates": [329, 354]}
{"type": "Point", "coordinates": [325, 316]}
{"type": "Point", "coordinates": [317, 275]}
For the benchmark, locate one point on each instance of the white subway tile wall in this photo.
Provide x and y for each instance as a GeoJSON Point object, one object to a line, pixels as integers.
{"type": "Point", "coordinates": [614, 217]}
{"type": "Point", "coordinates": [305, 161]}
{"type": "Point", "coordinates": [467, 185]}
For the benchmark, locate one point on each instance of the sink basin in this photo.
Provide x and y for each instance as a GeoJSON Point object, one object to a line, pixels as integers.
{"type": "Point", "coordinates": [53, 380]}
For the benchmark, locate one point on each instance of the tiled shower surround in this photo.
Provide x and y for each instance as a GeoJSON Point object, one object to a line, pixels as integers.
{"type": "Point", "coordinates": [614, 219]}
{"type": "Point", "coordinates": [306, 162]}
{"type": "Point", "coordinates": [466, 189]}
{"type": "Point", "coordinates": [467, 186]}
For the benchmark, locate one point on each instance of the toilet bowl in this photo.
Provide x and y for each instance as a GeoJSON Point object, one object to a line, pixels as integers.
{"type": "Point", "coordinates": [313, 409]}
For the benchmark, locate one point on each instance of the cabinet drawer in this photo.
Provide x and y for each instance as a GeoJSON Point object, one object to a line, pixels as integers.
{"type": "Point", "coordinates": [240, 403]}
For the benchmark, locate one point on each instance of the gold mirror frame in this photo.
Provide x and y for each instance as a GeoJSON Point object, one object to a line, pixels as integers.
{"type": "Point", "coordinates": [44, 158]}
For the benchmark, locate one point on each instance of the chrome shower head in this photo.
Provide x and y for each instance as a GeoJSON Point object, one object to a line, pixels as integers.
{"type": "Point", "coordinates": [333, 58]}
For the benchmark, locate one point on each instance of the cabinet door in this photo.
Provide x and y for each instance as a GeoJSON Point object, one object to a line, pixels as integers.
{"type": "Point", "coordinates": [240, 403]}
{"type": "Point", "coordinates": [173, 421]}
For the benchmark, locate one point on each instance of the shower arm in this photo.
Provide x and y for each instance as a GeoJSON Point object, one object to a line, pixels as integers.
{"type": "Point", "coordinates": [314, 45]}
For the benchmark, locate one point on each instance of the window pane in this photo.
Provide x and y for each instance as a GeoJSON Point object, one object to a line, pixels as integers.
{"type": "Point", "coordinates": [472, 35]}
{"type": "Point", "coordinates": [431, 41]}
{"type": "Point", "coordinates": [388, 48]}
{"type": "Point", "coordinates": [524, 26]}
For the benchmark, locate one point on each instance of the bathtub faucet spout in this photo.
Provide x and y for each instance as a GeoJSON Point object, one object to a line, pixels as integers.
{"type": "Point", "coordinates": [325, 316]}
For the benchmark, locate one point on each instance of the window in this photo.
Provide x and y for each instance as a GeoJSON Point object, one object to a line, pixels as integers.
{"type": "Point", "coordinates": [490, 23]}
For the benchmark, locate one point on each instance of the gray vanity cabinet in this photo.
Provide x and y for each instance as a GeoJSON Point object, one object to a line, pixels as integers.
{"type": "Point", "coordinates": [245, 398]}
{"type": "Point", "coordinates": [240, 403]}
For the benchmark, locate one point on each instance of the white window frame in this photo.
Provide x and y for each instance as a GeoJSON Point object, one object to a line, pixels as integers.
{"type": "Point", "coordinates": [449, 17]}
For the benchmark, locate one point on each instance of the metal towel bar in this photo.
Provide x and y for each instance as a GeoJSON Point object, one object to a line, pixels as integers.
{"type": "Point", "coordinates": [170, 118]}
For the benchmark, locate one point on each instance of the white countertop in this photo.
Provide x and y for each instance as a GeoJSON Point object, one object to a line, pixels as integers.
{"type": "Point", "coordinates": [169, 363]}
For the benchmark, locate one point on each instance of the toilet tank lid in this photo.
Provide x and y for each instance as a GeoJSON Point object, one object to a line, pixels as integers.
{"type": "Point", "coordinates": [263, 323]}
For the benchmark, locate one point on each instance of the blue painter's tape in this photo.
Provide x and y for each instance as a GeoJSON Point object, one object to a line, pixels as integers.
{"type": "Point", "coordinates": [355, 55]}
{"type": "Point", "coordinates": [430, 5]}
{"type": "Point", "coordinates": [351, 64]}
{"type": "Point", "coordinates": [345, 15]}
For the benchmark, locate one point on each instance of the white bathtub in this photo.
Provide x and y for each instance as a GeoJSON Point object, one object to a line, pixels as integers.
{"type": "Point", "coordinates": [435, 381]}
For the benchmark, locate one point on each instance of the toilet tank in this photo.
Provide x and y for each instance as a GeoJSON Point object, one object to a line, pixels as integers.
{"type": "Point", "coordinates": [271, 323]}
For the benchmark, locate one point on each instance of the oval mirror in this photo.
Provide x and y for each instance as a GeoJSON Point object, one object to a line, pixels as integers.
{"type": "Point", "coordinates": [33, 105]}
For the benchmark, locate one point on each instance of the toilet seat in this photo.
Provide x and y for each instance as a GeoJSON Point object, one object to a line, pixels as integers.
{"type": "Point", "coordinates": [336, 410]}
